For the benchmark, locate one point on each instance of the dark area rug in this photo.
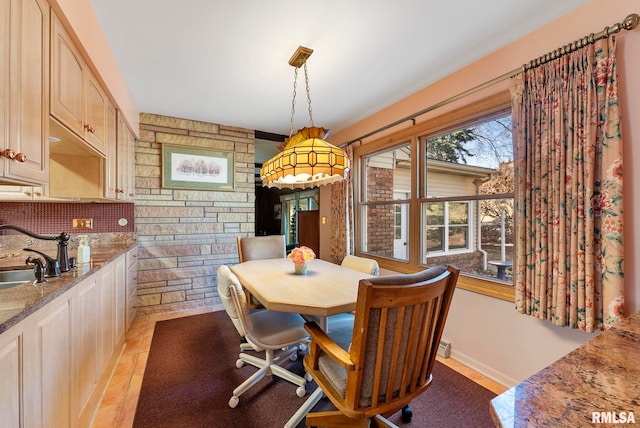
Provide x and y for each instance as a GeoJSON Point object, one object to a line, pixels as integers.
{"type": "Point", "coordinates": [191, 373]}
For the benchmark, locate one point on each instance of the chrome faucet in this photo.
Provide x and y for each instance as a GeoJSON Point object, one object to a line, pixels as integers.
{"type": "Point", "coordinates": [62, 239]}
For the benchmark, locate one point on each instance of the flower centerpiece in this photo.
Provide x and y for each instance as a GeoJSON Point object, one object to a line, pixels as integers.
{"type": "Point", "coordinates": [300, 256]}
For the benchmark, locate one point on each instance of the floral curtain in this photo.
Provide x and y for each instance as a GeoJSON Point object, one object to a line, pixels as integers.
{"type": "Point", "coordinates": [568, 142]}
{"type": "Point", "coordinates": [342, 215]}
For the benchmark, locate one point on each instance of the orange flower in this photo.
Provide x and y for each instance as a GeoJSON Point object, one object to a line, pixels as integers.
{"type": "Point", "coordinates": [301, 254]}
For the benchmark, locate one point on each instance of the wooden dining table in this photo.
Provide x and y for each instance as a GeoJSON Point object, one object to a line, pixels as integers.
{"type": "Point", "coordinates": [326, 289]}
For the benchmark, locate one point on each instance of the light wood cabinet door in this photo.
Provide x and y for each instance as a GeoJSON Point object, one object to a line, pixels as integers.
{"type": "Point", "coordinates": [120, 284]}
{"type": "Point", "coordinates": [85, 345]}
{"type": "Point", "coordinates": [132, 286]}
{"type": "Point", "coordinates": [77, 98]}
{"type": "Point", "coordinates": [107, 323]}
{"type": "Point", "coordinates": [5, 38]}
{"type": "Point", "coordinates": [126, 162]}
{"type": "Point", "coordinates": [10, 379]}
{"type": "Point", "coordinates": [96, 131]}
{"type": "Point", "coordinates": [24, 90]}
{"type": "Point", "coordinates": [47, 367]}
{"type": "Point", "coordinates": [111, 169]}
{"type": "Point", "coordinates": [67, 79]}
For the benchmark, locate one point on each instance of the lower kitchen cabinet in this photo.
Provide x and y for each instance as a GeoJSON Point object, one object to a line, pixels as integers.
{"type": "Point", "coordinates": [55, 364]}
{"type": "Point", "coordinates": [47, 371]}
{"type": "Point", "coordinates": [132, 286]}
{"type": "Point", "coordinates": [10, 377]}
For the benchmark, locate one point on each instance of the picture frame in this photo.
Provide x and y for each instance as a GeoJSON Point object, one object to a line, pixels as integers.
{"type": "Point", "coordinates": [197, 168]}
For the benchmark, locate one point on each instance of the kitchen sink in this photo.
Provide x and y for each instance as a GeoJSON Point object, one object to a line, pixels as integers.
{"type": "Point", "coordinates": [13, 278]}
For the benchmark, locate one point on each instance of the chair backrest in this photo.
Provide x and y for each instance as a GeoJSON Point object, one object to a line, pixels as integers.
{"type": "Point", "coordinates": [261, 247]}
{"type": "Point", "coordinates": [401, 319]}
{"type": "Point", "coordinates": [361, 264]}
{"type": "Point", "coordinates": [234, 300]}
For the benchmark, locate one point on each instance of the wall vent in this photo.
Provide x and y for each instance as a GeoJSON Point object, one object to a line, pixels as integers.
{"type": "Point", "coordinates": [444, 349]}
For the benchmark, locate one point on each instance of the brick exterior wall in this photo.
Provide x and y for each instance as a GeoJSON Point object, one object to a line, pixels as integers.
{"type": "Point", "coordinates": [468, 262]}
{"type": "Point", "coordinates": [380, 218]}
{"type": "Point", "coordinates": [185, 235]}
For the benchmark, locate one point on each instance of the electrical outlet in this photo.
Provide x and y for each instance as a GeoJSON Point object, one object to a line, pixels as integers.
{"type": "Point", "coordinates": [83, 223]}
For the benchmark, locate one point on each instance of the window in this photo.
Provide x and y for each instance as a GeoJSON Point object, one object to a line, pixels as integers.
{"type": "Point", "coordinates": [447, 227]}
{"type": "Point", "coordinates": [464, 223]}
{"type": "Point", "coordinates": [385, 208]}
{"type": "Point", "coordinates": [444, 195]}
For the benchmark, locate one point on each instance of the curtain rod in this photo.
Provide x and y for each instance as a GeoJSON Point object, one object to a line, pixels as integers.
{"type": "Point", "coordinates": [629, 23]}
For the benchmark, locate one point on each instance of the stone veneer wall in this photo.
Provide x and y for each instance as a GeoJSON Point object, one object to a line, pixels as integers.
{"type": "Point", "coordinates": [185, 235]}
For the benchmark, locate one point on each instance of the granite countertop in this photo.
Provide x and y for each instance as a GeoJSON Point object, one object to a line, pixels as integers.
{"type": "Point", "coordinates": [19, 302]}
{"type": "Point", "coordinates": [598, 382]}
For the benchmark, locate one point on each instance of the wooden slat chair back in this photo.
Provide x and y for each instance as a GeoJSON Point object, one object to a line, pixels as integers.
{"type": "Point", "coordinates": [397, 330]}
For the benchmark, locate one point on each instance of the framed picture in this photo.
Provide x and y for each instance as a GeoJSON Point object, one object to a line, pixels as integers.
{"type": "Point", "coordinates": [195, 168]}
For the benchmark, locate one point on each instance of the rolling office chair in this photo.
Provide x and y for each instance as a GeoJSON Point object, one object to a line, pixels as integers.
{"type": "Point", "coordinates": [260, 248]}
{"type": "Point", "coordinates": [342, 321]}
{"type": "Point", "coordinates": [361, 264]}
{"type": "Point", "coordinates": [266, 331]}
{"type": "Point", "coordinates": [399, 321]}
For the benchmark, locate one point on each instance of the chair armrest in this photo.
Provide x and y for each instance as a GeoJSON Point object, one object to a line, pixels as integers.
{"type": "Point", "coordinates": [320, 339]}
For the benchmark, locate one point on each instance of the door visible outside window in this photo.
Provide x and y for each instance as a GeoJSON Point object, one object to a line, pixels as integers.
{"type": "Point", "coordinates": [400, 223]}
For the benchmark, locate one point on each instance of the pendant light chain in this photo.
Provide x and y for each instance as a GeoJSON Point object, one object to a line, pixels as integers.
{"type": "Point", "coordinates": [293, 101]}
{"type": "Point", "coordinates": [306, 81]}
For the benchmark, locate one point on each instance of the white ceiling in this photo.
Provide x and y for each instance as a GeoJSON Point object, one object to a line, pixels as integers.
{"type": "Point", "coordinates": [227, 61]}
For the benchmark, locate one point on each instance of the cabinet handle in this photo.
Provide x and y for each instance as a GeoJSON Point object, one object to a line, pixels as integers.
{"type": "Point", "coordinates": [10, 154]}
{"type": "Point", "coordinates": [89, 128]}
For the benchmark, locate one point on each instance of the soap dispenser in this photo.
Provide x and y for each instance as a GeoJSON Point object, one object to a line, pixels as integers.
{"type": "Point", "coordinates": [84, 251]}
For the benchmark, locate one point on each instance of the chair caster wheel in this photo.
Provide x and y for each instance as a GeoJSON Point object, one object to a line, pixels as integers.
{"type": "Point", "coordinates": [233, 402]}
{"type": "Point", "coordinates": [308, 377]}
{"type": "Point", "coordinates": [239, 364]}
{"type": "Point", "coordinates": [407, 414]}
{"type": "Point", "coordinates": [293, 356]}
{"type": "Point", "coordinates": [301, 391]}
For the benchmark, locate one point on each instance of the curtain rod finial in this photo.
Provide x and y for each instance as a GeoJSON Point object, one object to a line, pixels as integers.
{"type": "Point", "coordinates": [631, 21]}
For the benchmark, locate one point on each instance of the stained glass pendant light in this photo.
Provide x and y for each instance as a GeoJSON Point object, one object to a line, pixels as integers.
{"type": "Point", "coordinates": [306, 160]}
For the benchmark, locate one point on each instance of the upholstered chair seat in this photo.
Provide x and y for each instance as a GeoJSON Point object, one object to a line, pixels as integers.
{"type": "Point", "coordinates": [265, 331]}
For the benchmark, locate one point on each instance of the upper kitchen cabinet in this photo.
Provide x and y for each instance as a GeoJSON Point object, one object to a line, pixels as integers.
{"type": "Point", "coordinates": [77, 98]}
{"type": "Point", "coordinates": [110, 176]}
{"type": "Point", "coordinates": [126, 162]}
{"type": "Point", "coordinates": [24, 91]}
{"type": "Point", "coordinates": [119, 172]}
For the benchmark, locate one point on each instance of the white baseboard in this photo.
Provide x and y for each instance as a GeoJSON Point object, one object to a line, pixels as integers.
{"type": "Point", "coordinates": [483, 369]}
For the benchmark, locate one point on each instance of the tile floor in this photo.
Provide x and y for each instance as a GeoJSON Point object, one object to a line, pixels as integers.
{"type": "Point", "coordinates": [119, 402]}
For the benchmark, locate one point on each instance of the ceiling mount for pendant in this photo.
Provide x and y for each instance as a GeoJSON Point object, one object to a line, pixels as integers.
{"type": "Point", "coordinates": [300, 57]}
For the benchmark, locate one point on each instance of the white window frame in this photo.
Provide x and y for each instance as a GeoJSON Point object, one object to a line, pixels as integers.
{"type": "Point", "coordinates": [446, 251]}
